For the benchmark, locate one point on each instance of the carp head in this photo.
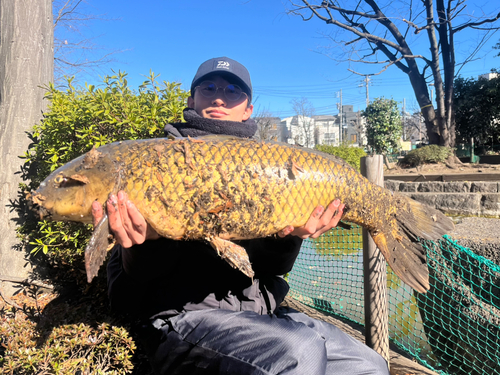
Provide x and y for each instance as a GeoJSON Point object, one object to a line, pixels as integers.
{"type": "Point", "coordinates": [68, 192]}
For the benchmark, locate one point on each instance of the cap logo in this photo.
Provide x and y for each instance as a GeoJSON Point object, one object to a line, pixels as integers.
{"type": "Point", "coordinates": [222, 65]}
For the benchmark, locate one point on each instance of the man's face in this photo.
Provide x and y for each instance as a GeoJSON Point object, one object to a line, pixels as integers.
{"type": "Point", "coordinates": [218, 107]}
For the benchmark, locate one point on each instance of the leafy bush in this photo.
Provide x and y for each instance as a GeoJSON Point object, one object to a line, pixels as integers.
{"type": "Point", "coordinates": [383, 125]}
{"type": "Point", "coordinates": [352, 155]}
{"type": "Point", "coordinates": [68, 349]}
{"type": "Point", "coordinates": [426, 154]}
{"type": "Point", "coordinates": [78, 119]}
{"type": "Point", "coordinates": [79, 338]}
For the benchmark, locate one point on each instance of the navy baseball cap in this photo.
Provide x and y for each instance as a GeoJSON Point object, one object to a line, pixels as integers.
{"type": "Point", "coordinates": [224, 66]}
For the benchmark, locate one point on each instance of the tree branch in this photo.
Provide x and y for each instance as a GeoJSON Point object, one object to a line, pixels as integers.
{"type": "Point", "coordinates": [63, 11]}
{"type": "Point", "coordinates": [475, 25]}
{"type": "Point", "coordinates": [352, 28]}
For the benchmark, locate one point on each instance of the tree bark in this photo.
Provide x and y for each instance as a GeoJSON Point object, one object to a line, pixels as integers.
{"type": "Point", "coordinates": [419, 86]}
{"type": "Point", "coordinates": [26, 63]}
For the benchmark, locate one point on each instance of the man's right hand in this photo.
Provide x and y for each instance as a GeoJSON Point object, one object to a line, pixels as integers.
{"type": "Point", "coordinates": [125, 221]}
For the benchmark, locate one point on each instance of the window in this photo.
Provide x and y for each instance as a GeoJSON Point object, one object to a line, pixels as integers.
{"type": "Point", "coordinates": [329, 138]}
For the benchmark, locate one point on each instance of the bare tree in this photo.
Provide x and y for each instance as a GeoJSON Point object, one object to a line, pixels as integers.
{"type": "Point", "coordinates": [383, 32]}
{"type": "Point", "coordinates": [414, 124]}
{"type": "Point", "coordinates": [75, 53]}
{"type": "Point", "coordinates": [304, 122]}
{"type": "Point", "coordinates": [267, 125]}
{"type": "Point", "coordinates": [414, 128]}
{"type": "Point", "coordinates": [26, 58]}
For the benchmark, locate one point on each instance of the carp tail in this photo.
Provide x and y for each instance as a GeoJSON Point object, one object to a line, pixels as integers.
{"type": "Point", "coordinates": [399, 240]}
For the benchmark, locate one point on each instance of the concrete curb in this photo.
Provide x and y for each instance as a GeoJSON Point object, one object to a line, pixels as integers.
{"type": "Point", "coordinates": [455, 198]}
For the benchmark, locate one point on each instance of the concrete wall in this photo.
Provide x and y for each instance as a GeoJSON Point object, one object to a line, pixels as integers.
{"type": "Point", "coordinates": [457, 198]}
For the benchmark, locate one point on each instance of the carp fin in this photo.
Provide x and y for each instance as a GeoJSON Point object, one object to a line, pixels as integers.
{"type": "Point", "coordinates": [234, 254]}
{"type": "Point", "coordinates": [399, 243]}
{"type": "Point", "coordinates": [97, 248]}
{"type": "Point", "coordinates": [408, 261]}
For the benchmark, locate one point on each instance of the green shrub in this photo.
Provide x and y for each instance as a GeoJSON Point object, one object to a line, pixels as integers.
{"type": "Point", "coordinates": [68, 349]}
{"type": "Point", "coordinates": [78, 339]}
{"type": "Point", "coordinates": [426, 154]}
{"type": "Point", "coordinates": [352, 155]}
{"type": "Point", "coordinates": [383, 125]}
{"type": "Point", "coordinates": [78, 119]}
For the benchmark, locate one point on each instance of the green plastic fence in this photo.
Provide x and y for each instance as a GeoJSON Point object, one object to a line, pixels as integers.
{"type": "Point", "coordinates": [452, 329]}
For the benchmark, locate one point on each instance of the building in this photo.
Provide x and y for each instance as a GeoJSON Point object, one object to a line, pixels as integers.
{"type": "Point", "coordinates": [300, 130]}
{"type": "Point", "coordinates": [310, 131]}
{"type": "Point", "coordinates": [269, 129]}
{"type": "Point", "coordinates": [354, 126]}
{"type": "Point", "coordinates": [327, 130]}
{"type": "Point", "coordinates": [488, 76]}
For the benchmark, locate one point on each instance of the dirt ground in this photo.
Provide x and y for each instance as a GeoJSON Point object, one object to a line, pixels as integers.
{"type": "Point", "coordinates": [442, 168]}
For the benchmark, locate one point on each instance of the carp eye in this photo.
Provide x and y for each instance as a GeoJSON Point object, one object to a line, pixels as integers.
{"type": "Point", "coordinates": [59, 179]}
{"type": "Point", "coordinates": [63, 181]}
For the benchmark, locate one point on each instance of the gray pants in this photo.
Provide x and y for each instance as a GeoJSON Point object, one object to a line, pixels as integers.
{"type": "Point", "coordinates": [227, 342]}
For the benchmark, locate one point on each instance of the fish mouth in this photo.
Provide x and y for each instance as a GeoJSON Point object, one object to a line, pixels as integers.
{"type": "Point", "coordinates": [35, 203]}
{"type": "Point", "coordinates": [42, 212]}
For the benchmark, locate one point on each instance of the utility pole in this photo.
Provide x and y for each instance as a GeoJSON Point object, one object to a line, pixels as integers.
{"type": "Point", "coordinates": [358, 128]}
{"type": "Point", "coordinates": [367, 81]}
{"type": "Point", "coordinates": [341, 118]}
{"type": "Point", "coordinates": [404, 118]}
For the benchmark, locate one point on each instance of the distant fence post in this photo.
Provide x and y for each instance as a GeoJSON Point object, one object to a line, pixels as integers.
{"type": "Point", "coordinates": [472, 158]}
{"type": "Point", "coordinates": [375, 274]}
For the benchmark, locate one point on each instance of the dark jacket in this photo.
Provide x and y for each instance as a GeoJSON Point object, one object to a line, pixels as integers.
{"type": "Point", "coordinates": [175, 276]}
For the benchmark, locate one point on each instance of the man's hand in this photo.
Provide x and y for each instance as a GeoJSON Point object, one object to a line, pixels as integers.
{"type": "Point", "coordinates": [126, 222]}
{"type": "Point", "coordinates": [319, 222]}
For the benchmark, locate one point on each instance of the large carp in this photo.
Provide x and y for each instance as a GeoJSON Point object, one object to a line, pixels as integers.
{"type": "Point", "coordinates": [220, 189]}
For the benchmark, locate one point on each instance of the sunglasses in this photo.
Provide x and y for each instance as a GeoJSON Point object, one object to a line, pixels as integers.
{"type": "Point", "coordinates": [209, 90]}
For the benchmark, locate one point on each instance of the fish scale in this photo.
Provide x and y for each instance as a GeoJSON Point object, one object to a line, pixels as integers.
{"type": "Point", "coordinates": [221, 188]}
{"type": "Point", "coordinates": [226, 202]}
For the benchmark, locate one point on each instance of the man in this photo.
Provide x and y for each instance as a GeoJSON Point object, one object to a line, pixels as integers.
{"type": "Point", "coordinates": [200, 316]}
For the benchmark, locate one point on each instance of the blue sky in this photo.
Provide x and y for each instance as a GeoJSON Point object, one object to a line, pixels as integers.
{"type": "Point", "coordinates": [173, 38]}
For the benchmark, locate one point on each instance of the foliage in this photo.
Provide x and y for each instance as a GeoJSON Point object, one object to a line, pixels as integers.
{"type": "Point", "coordinates": [352, 155]}
{"type": "Point", "coordinates": [427, 154]}
{"type": "Point", "coordinates": [68, 349]}
{"type": "Point", "coordinates": [477, 110]}
{"type": "Point", "coordinates": [75, 334]}
{"type": "Point", "coordinates": [497, 47]}
{"type": "Point", "coordinates": [383, 125]}
{"type": "Point", "coordinates": [67, 332]}
{"type": "Point", "coordinates": [79, 119]}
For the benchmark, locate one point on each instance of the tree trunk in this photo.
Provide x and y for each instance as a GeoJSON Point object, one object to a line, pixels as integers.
{"type": "Point", "coordinates": [26, 62]}
{"type": "Point", "coordinates": [419, 86]}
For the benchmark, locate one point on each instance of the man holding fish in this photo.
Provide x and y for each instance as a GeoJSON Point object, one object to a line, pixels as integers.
{"type": "Point", "coordinates": [196, 314]}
